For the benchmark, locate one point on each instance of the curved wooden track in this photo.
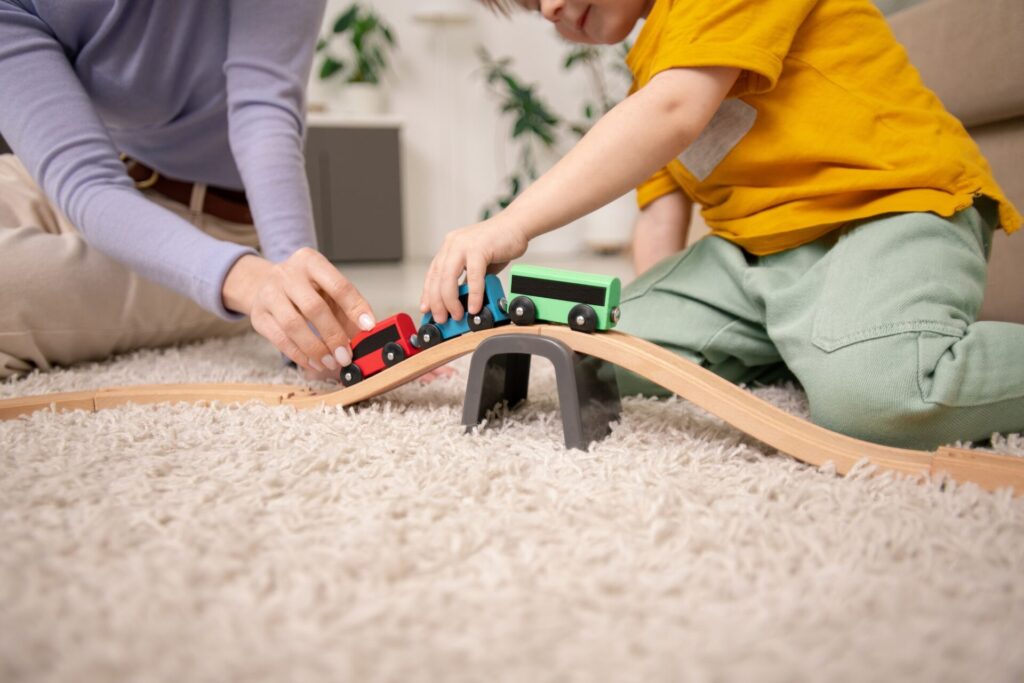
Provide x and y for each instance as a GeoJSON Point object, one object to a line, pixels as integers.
{"type": "Point", "coordinates": [787, 433]}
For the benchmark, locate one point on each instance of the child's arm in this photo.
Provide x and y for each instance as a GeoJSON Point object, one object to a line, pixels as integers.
{"type": "Point", "coordinates": [629, 143]}
{"type": "Point", "coordinates": [660, 229]}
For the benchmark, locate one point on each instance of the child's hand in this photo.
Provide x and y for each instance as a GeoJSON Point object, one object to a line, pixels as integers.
{"type": "Point", "coordinates": [476, 250]}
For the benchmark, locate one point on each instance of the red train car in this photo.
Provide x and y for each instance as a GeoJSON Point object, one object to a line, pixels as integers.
{"type": "Point", "coordinates": [387, 344]}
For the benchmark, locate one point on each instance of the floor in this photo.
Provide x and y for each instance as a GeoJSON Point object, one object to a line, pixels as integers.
{"type": "Point", "coordinates": [259, 543]}
{"type": "Point", "coordinates": [394, 287]}
{"type": "Point", "coordinates": [167, 543]}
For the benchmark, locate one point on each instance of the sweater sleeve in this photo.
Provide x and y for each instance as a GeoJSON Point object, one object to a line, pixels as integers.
{"type": "Point", "coordinates": [48, 120]}
{"type": "Point", "coordinates": [270, 52]}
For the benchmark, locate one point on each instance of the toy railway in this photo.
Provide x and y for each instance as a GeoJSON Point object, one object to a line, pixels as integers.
{"type": "Point", "coordinates": [787, 433]}
{"type": "Point", "coordinates": [741, 409]}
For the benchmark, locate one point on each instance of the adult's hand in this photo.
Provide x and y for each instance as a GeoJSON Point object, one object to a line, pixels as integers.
{"type": "Point", "coordinates": [284, 299]}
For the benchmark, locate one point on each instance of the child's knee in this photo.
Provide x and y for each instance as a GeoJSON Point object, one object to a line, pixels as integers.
{"type": "Point", "coordinates": [631, 384]}
{"type": "Point", "coordinates": [874, 395]}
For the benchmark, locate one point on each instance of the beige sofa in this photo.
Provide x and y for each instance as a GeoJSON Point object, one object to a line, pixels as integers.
{"type": "Point", "coordinates": [971, 53]}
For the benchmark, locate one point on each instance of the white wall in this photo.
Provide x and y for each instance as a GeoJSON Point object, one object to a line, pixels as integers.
{"type": "Point", "coordinates": [455, 149]}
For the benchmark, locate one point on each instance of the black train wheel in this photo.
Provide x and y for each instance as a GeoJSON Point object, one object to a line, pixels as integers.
{"type": "Point", "coordinates": [582, 318]}
{"type": "Point", "coordinates": [522, 311]}
{"type": "Point", "coordinates": [351, 374]}
{"type": "Point", "coordinates": [393, 354]}
{"type": "Point", "coordinates": [429, 335]}
{"type": "Point", "coordinates": [484, 320]}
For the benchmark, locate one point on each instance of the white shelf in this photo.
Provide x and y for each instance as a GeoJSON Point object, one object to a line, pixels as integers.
{"type": "Point", "coordinates": [442, 12]}
{"type": "Point", "coordinates": [441, 17]}
{"type": "Point", "coordinates": [336, 120]}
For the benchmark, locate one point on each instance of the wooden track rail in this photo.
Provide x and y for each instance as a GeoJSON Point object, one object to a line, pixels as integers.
{"type": "Point", "coordinates": [741, 409]}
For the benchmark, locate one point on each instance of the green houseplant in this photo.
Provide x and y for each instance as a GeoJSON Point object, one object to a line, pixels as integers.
{"type": "Point", "coordinates": [607, 76]}
{"type": "Point", "coordinates": [534, 127]}
{"type": "Point", "coordinates": [607, 229]}
{"type": "Point", "coordinates": [356, 54]}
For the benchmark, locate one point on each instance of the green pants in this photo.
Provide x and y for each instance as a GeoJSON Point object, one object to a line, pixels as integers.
{"type": "Point", "coordinates": [877, 322]}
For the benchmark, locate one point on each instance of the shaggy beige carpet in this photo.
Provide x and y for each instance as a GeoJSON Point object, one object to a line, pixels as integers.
{"type": "Point", "coordinates": [174, 543]}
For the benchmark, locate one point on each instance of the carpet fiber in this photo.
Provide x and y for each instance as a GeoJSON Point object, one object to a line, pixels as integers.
{"type": "Point", "coordinates": [176, 543]}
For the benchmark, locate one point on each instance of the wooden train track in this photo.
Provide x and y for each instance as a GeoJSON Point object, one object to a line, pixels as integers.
{"type": "Point", "coordinates": [741, 409]}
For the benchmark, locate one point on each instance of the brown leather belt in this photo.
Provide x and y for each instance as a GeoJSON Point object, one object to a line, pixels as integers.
{"type": "Point", "coordinates": [230, 205]}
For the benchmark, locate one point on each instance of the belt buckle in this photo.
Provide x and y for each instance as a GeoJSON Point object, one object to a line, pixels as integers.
{"type": "Point", "coordinates": [148, 182]}
{"type": "Point", "coordinates": [142, 184]}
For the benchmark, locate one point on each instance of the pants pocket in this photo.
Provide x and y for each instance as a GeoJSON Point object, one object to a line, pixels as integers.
{"type": "Point", "coordinates": [907, 273]}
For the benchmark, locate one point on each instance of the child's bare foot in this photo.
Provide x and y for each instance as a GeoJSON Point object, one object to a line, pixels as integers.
{"type": "Point", "coordinates": [321, 375]}
{"type": "Point", "coordinates": [443, 372]}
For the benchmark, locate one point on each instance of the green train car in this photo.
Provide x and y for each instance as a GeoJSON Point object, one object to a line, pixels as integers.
{"type": "Point", "coordinates": [586, 302]}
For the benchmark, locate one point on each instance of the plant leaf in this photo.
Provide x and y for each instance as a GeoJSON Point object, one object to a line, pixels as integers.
{"type": "Point", "coordinates": [330, 67]}
{"type": "Point", "coordinates": [342, 23]}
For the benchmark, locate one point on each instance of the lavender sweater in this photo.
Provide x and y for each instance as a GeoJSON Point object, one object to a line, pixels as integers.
{"type": "Point", "coordinates": [202, 90]}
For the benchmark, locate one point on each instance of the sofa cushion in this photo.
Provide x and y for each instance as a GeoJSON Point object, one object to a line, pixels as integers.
{"type": "Point", "coordinates": [892, 6]}
{"type": "Point", "coordinates": [1002, 144]}
{"type": "Point", "coordinates": [970, 52]}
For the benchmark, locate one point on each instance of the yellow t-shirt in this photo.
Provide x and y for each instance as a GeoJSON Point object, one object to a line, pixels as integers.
{"type": "Point", "coordinates": [828, 122]}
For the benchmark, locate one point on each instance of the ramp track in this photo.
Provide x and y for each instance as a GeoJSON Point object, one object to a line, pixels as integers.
{"type": "Point", "coordinates": [789, 434]}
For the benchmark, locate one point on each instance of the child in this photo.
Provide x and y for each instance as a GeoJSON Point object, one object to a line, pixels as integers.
{"type": "Point", "coordinates": [851, 215]}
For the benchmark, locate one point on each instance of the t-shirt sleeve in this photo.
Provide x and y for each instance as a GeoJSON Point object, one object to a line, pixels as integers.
{"type": "Point", "coordinates": [270, 53]}
{"type": "Point", "coordinates": [50, 123]}
{"type": "Point", "coordinates": [752, 35]}
{"type": "Point", "coordinates": [658, 185]}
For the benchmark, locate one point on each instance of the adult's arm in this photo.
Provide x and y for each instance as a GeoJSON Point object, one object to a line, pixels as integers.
{"type": "Point", "coordinates": [49, 122]}
{"type": "Point", "coordinates": [270, 51]}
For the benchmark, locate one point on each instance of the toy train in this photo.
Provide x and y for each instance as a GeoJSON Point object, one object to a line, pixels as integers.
{"type": "Point", "coordinates": [586, 302]}
{"type": "Point", "coordinates": [491, 313]}
{"type": "Point", "coordinates": [388, 343]}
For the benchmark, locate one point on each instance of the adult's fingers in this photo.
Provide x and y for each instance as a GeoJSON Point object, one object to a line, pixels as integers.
{"type": "Point", "coordinates": [313, 306]}
{"type": "Point", "coordinates": [264, 323]}
{"type": "Point", "coordinates": [297, 330]}
{"type": "Point", "coordinates": [350, 327]}
{"type": "Point", "coordinates": [341, 290]}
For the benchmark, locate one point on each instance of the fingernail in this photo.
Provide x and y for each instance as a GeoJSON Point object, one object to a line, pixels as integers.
{"type": "Point", "coordinates": [316, 365]}
{"type": "Point", "coordinates": [329, 361]}
{"type": "Point", "coordinates": [366, 322]}
{"type": "Point", "coordinates": [343, 355]}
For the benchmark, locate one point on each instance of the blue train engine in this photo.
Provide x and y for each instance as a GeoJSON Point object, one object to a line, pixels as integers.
{"type": "Point", "coordinates": [491, 314]}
